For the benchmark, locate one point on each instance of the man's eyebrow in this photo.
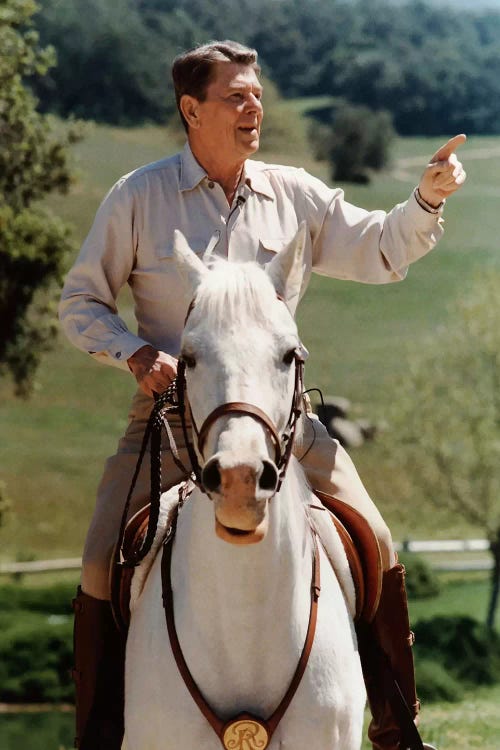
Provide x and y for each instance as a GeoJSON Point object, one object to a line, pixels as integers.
{"type": "Point", "coordinates": [244, 87]}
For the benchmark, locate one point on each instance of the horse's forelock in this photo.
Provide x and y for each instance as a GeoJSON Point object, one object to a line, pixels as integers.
{"type": "Point", "coordinates": [235, 291]}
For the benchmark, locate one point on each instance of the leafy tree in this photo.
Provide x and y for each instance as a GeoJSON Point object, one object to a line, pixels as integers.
{"type": "Point", "coordinates": [358, 141]}
{"type": "Point", "coordinates": [33, 162]}
{"type": "Point", "coordinates": [113, 59]}
{"type": "Point", "coordinates": [434, 68]}
{"type": "Point", "coordinates": [445, 436]}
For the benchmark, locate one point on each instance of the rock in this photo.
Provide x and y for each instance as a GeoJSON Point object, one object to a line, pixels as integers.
{"type": "Point", "coordinates": [351, 433]}
{"type": "Point", "coordinates": [348, 433]}
{"type": "Point", "coordinates": [334, 406]}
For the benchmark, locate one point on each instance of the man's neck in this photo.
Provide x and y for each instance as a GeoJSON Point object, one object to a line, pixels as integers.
{"type": "Point", "coordinates": [228, 176]}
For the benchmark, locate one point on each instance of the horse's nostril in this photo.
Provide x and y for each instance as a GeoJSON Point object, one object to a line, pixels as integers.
{"type": "Point", "coordinates": [268, 480]}
{"type": "Point", "coordinates": [210, 476]}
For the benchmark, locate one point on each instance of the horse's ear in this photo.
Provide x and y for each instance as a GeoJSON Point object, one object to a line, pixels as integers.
{"type": "Point", "coordinates": [189, 265]}
{"type": "Point", "coordinates": [286, 269]}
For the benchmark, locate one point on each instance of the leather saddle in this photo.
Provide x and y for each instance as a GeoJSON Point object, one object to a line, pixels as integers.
{"type": "Point", "coordinates": [357, 536]}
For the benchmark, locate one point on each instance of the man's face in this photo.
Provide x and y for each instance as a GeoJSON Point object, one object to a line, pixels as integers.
{"type": "Point", "coordinates": [230, 117]}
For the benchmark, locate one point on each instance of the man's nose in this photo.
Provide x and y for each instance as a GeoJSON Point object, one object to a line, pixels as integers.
{"type": "Point", "coordinates": [253, 104]}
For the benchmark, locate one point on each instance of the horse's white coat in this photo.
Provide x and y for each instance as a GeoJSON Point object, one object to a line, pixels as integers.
{"type": "Point", "coordinates": [241, 612]}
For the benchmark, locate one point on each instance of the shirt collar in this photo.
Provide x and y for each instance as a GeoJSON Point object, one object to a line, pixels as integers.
{"type": "Point", "coordinates": [256, 178]}
{"type": "Point", "coordinates": [192, 173]}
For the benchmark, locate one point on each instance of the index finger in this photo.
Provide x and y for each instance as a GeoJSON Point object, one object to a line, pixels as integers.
{"type": "Point", "coordinates": [445, 151]}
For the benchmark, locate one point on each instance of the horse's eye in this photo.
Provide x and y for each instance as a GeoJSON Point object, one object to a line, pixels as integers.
{"type": "Point", "coordinates": [289, 357]}
{"type": "Point", "coordinates": [189, 361]}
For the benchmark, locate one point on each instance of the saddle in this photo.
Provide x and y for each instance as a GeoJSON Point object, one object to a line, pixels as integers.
{"type": "Point", "coordinates": [362, 551]}
{"type": "Point", "coordinates": [358, 539]}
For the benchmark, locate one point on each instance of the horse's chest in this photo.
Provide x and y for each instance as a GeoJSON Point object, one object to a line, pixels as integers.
{"type": "Point", "coordinates": [241, 665]}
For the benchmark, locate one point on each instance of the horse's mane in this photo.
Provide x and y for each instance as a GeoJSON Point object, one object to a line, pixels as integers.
{"type": "Point", "coordinates": [236, 291]}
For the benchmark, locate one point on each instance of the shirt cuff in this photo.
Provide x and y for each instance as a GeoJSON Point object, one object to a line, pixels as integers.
{"type": "Point", "coordinates": [422, 218]}
{"type": "Point", "coordinates": [434, 211]}
{"type": "Point", "coordinates": [122, 348]}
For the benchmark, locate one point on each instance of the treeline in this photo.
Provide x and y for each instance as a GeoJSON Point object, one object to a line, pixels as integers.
{"type": "Point", "coordinates": [435, 69]}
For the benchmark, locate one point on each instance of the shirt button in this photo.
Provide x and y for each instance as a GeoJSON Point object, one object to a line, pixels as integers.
{"type": "Point", "coordinates": [211, 184]}
{"type": "Point", "coordinates": [118, 355]}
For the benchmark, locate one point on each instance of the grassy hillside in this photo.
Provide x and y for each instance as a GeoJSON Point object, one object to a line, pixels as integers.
{"type": "Point", "coordinates": [52, 448]}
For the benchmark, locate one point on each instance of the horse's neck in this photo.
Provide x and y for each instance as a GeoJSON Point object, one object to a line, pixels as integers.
{"type": "Point", "coordinates": [225, 589]}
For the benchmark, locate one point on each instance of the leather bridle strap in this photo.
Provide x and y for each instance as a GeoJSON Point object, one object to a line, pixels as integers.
{"type": "Point", "coordinates": [246, 409]}
{"type": "Point", "coordinates": [216, 723]}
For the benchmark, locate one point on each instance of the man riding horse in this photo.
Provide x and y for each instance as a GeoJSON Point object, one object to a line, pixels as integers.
{"type": "Point", "coordinates": [230, 206]}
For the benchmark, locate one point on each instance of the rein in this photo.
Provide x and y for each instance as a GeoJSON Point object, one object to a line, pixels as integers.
{"type": "Point", "coordinates": [256, 730]}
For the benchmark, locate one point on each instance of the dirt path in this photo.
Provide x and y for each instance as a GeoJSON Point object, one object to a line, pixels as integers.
{"type": "Point", "coordinates": [402, 169]}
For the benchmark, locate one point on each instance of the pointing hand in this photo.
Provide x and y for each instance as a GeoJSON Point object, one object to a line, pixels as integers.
{"type": "Point", "coordinates": [444, 174]}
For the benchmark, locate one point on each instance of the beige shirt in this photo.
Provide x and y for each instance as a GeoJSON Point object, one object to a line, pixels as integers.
{"type": "Point", "coordinates": [131, 243]}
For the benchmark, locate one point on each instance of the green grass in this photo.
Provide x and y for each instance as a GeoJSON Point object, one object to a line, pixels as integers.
{"type": "Point", "coordinates": [52, 448]}
{"type": "Point", "coordinates": [466, 595]}
{"type": "Point", "coordinates": [472, 723]}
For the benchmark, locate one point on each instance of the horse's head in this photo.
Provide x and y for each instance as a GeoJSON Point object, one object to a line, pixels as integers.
{"type": "Point", "coordinates": [239, 348]}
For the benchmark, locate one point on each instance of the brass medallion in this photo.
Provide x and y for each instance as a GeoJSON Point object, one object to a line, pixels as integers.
{"type": "Point", "coordinates": [245, 734]}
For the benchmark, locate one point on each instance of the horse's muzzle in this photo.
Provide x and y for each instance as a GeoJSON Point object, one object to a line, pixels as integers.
{"type": "Point", "coordinates": [217, 480]}
{"type": "Point", "coordinates": [240, 494]}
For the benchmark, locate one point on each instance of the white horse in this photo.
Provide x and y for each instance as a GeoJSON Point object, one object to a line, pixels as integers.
{"type": "Point", "coordinates": [242, 565]}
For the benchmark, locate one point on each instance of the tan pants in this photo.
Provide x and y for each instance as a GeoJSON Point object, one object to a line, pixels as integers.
{"type": "Point", "coordinates": [325, 462]}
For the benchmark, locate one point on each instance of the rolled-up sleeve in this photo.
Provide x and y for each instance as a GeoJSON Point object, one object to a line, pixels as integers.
{"type": "Point", "coordinates": [87, 310]}
{"type": "Point", "coordinates": [373, 247]}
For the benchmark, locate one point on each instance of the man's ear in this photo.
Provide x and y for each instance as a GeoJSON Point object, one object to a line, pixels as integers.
{"type": "Point", "coordinates": [286, 269]}
{"type": "Point", "coordinates": [189, 106]}
{"type": "Point", "coordinates": [189, 265]}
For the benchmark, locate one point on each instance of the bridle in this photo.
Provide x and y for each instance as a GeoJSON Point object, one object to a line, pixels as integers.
{"type": "Point", "coordinates": [282, 443]}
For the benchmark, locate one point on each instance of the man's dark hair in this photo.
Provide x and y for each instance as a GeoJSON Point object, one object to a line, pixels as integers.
{"type": "Point", "coordinates": [192, 71]}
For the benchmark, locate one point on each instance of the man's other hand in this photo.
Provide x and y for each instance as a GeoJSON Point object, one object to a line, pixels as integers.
{"type": "Point", "coordinates": [153, 370]}
{"type": "Point", "coordinates": [444, 174]}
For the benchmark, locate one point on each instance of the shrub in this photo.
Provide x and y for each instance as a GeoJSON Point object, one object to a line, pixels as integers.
{"type": "Point", "coordinates": [435, 683]}
{"type": "Point", "coordinates": [463, 646]}
{"type": "Point", "coordinates": [356, 141]}
{"type": "Point", "coordinates": [421, 581]}
{"type": "Point", "coordinates": [54, 599]}
{"type": "Point", "coordinates": [35, 661]}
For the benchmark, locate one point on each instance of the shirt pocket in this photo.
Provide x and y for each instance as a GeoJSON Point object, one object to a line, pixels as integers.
{"type": "Point", "coordinates": [197, 245]}
{"type": "Point", "coordinates": [269, 246]}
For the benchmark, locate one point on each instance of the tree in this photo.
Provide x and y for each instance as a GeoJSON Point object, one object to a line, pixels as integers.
{"type": "Point", "coordinates": [445, 434]}
{"type": "Point", "coordinates": [356, 142]}
{"type": "Point", "coordinates": [114, 59]}
{"type": "Point", "coordinates": [33, 162]}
